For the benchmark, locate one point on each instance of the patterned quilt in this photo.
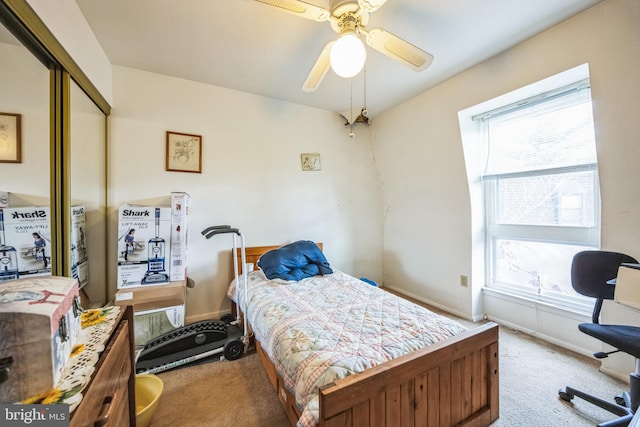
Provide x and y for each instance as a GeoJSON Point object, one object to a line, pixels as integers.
{"type": "Point", "coordinates": [328, 327]}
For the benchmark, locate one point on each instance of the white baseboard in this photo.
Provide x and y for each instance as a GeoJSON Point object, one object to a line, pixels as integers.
{"type": "Point", "coordinates": [206, 316]}
{"type": "Point", "coordinates": [542, 336]}
{"type": "Point", "coordinates": [615, 374]}
{"type": "Point", "coordinates": [433, 304]}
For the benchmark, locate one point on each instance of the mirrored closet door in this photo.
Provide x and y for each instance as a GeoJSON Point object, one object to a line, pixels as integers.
{"type": "Point", "coordinates": [88, 194]}
{"type": "Point", "coordinates": [24, 160]}
{"type": "Point", "coordinates": [59, 118]}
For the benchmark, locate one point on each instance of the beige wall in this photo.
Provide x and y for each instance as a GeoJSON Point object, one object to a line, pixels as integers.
{"type": "Point", "coordinates": [251, 176]}
{"type": "Point", "coordinates": [428, 242]}
{"type": "Point", "coordinates": [24, 89]}
{"type": "Point", "coordinates": [65, 20]}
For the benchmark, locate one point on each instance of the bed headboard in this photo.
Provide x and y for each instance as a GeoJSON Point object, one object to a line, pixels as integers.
{"type": "Point", "coordinates": [253, 254]}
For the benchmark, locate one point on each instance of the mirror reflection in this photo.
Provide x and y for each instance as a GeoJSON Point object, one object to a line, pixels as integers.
{"type": "Point", "coordinates": [88, 195]}
{"type": "Point", "coordinates": [25, 248]}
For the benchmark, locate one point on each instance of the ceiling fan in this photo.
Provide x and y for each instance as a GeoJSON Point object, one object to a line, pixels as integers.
{"type": "Point", "coordinates": [349, 18]}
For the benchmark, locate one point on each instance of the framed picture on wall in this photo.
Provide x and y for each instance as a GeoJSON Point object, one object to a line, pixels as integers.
{"type": "Point", "coordinates": [184, 152]}
{"type": "Point", "coordinates": [310, 161]}
{"type": "Point", "coordinates": [10, 145]}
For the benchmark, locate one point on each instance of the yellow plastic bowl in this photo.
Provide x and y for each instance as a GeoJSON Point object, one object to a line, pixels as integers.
{"type": "Point", "coordinates": [148, 390]}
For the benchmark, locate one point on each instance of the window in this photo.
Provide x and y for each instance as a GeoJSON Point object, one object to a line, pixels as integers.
{"type": "Point", "coordinates": [540, 190]}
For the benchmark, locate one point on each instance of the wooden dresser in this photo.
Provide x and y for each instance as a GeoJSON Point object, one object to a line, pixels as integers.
{"type": "Point", "coordinates": [109, 399]}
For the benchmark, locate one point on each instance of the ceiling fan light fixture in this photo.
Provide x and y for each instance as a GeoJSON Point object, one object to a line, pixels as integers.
{"type": "Point", "coordinates": [348, 54]}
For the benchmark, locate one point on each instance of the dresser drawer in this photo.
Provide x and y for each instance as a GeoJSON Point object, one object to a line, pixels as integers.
{"type": "Point", "coordinates": [106, 400]}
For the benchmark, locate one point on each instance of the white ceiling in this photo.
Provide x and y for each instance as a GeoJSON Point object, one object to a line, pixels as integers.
{"type": "Point", "coordinates": [256, 48]}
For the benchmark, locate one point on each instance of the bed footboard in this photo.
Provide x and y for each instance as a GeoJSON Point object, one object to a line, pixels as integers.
{"type": "Point", "coordinates": [452, 383]}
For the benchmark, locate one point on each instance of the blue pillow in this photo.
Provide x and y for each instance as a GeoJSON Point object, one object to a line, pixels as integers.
{"type": "Point", "coordinates": [295, 261]}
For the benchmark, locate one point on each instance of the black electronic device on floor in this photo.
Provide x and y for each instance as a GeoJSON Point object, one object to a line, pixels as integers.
{"type": "Point", "coordinates": [190, 343]}
{"type": "Point", "coordinates": [201, 339]}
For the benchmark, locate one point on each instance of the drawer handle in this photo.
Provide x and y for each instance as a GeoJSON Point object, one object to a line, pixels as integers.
{"type": "Point", "coordinates": [5, 367]}
{"type": "Point", "coordinates": [105, 412]}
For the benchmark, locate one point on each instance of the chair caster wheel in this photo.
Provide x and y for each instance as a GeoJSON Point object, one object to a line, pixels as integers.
{"type": "Point", "coordinates": [620, 401]}
{"type": "Point", "coordinates": [562, 394]}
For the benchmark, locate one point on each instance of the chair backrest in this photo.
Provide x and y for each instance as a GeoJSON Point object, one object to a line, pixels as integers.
{"type": "Point", "coordinates": [590, 271]}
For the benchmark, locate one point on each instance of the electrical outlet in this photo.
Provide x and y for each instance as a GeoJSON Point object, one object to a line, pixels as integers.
{"type": "Point", "coordinates": [464, 280]}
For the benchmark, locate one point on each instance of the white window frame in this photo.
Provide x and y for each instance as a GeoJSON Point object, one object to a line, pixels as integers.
{"type": "Point", "coordinates": [569, 235]}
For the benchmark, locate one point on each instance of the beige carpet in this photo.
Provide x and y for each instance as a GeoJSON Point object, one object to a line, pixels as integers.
{"type": "Point", "coordinates": [220, 393]}
{"type": "Point", "coordinates": [238, 393]}
{"type": "Point", "coordinates": [531, 373]}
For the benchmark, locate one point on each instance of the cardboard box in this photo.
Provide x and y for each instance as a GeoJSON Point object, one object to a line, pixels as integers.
{"type": "Point", "coordinates": [157, 309]}
{"type": "Point", "coordinates": [628, 285]}
{"type": "Point", "coordinates": [79, 256]}
{"type": "Point", "coordinates": [25, 242]}
{"type": "Point", "coordinates": [180, 206]}
{"type": "Point", "coordinates": [144, 236]}
{"type": "Point", "coordinates": [152, 297]}
{"type": "Point", "coordinates": [39, 325]}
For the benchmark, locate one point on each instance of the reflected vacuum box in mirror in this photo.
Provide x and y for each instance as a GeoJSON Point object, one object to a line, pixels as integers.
{"type": "Point", "coordinates": [39, 325]}
{"type": "Point", "coordinates": [25, 242]}
{"type": "Point", "coordinates": [144, 235]}
{"type": "Point", "coordinates": [79, 255]}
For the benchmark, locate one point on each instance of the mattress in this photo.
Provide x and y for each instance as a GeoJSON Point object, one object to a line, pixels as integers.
{"type": "Point", "coordinates": [324, 328]}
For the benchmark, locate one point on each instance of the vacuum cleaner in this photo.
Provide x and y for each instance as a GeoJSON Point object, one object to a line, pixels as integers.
{"type": "Point", "coordinates": [201, 339]}
{"type": "Point", "coordinates": [155, 260]}
{"type": "Point", "coordinates": [8, 256]}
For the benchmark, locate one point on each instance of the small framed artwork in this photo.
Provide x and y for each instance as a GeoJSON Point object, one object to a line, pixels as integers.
{"type": "Point", "coordinates": [310, 161]}
{"type": "Point", "coordinates": [10, 146]}
{"type": "Point", "coordinates": [184, 152]}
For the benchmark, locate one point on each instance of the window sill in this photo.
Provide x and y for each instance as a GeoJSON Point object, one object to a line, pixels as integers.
{"type": "Point", "coordinates": [576, 308]}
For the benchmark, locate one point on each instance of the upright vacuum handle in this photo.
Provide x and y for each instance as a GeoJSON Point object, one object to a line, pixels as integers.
{"type": "Point", "coordinates": [214, 227]}
{"type": "Point", "coordinates": [219, 229]}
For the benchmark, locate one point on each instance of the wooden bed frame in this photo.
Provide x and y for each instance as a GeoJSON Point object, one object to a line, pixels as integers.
{"type": "Point", "coordinates": [450, 383]}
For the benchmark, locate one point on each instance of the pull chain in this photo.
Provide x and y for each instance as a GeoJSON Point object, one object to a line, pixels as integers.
{"type": "Point", "coordinates": [351, 134]}
{"type": "Point", "coordinates": [351, 101]}
{"type": "Point", "coordinates": [364, 110]}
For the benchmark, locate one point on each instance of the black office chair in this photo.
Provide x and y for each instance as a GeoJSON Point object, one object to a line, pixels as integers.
{"type": "Point", "coordinates": [590, 272]}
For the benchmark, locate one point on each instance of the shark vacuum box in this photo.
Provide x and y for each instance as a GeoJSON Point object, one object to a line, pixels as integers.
{"type": "Point", "coordinates": [25, 242]}
{"type": "Point", "coordinates": [39, 325]}
{"type": "Point", "coordinates": [144, 248]}
{"type": "Point", "coordinates": [180, 206]}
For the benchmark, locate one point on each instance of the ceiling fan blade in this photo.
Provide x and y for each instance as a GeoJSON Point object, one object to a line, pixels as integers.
{"type": "Point", "coordinates": [371, 5]}
{"type": "Point", "coordinates": [300, 8]}
{"type": "Point", "coordinates": [319, 69]}
{"type": "Point", "coordinates": [398, 49]}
